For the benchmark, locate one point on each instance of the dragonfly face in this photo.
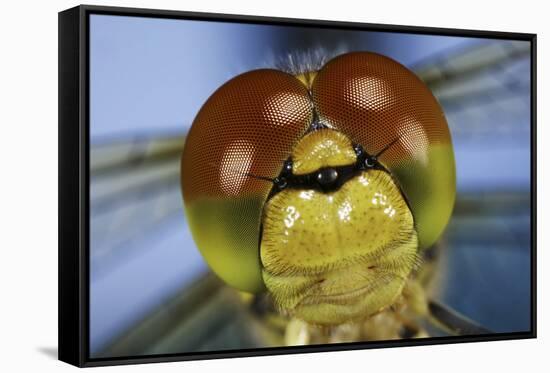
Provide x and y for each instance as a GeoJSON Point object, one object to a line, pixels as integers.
{"type": "Point", "coordinates": [321, 187]}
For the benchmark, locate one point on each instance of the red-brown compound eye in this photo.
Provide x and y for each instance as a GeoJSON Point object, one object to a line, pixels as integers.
{"type": "Point", "coordinates": [376, 101]}
{"type": "Point", "coordinates": [249, 126]}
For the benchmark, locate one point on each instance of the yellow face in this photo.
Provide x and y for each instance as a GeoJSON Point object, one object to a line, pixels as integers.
{"type": "Point", "coordinates": [342, 254]}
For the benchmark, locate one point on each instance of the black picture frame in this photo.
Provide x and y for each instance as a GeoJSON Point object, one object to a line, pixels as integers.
{"type": "Point", "coordinates": [74, 180]}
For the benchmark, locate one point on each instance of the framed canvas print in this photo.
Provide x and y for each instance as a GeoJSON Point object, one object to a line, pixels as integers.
{"type": "Point", "coordinates": [238, 186]}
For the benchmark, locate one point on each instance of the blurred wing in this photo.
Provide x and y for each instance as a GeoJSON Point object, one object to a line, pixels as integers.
{"type": "Point", "coordinates": [454, 322]}
{"type": "Point", "coordinates": [485, 271]}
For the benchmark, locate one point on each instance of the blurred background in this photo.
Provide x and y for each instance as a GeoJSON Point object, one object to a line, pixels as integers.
{"type": "Point", "coordinates": [150, 290]}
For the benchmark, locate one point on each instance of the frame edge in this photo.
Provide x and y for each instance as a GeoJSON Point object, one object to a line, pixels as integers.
{"type": "Point", "coordinates": [70, 347]}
